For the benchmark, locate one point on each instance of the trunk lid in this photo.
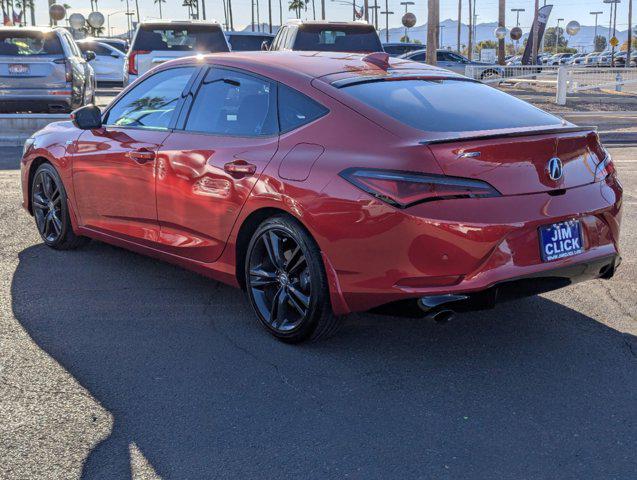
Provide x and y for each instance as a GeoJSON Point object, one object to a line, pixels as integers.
{"type": "Point", "coordinates": [23, 72]}
{"type": "Point", "coordinates": [518, 163]}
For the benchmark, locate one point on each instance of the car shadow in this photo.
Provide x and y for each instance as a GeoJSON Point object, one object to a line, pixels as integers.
{"type": "Point", "coordinates": [530, 390]}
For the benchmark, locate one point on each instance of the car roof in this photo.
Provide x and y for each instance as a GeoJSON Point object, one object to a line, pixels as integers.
{"type": "Point", "coordinates": [250, 34]}
{"type": "Point", "coordinates": [179, 22]}
{"type": "Point", "coordinates": [281, 65]}
{"type": "Point", "coordinates": [295, 21]}
{"type": "Point", "coordinates": [31, 29]}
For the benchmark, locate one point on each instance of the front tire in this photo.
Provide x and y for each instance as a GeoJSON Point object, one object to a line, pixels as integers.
{"type": "Point", "coordinates": [51, 211]}
{"type": "Point", "coordinates": [286, 282]}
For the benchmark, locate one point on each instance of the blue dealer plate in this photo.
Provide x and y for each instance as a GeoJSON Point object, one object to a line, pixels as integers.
{"type": "Point", "coordinates": [561, 240]}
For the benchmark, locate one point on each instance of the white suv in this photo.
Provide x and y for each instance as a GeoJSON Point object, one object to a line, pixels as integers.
{"type": "Point", "coordinates": [157, 42]}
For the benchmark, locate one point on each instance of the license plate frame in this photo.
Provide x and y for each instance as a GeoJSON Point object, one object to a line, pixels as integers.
{"type": "Point", "coordinates": [560, 240]}
{"type": "Point", "coordinates": [19, 69]}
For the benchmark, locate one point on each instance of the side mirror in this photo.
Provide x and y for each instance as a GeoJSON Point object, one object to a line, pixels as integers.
{"type": "Point", "coordinates": [88, 117]}
{"type": "Point", "coordinates": [265, 45]}
{"type": "Point", "coordinates": [89, 56]}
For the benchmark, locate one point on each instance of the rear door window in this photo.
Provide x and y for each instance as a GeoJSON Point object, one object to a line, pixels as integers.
{"type": "Point", "coordinates": [449, 105]}
{"type": "Point", "coordinates": [333, 38]}
{"type": "Point", "coordinates": [151, 103]}
{"type": "Point", "coordinates": [181, 38]}
{"type": "Point", "coordinates": [234, 104]}
{"type": "Point", "coordinates": [26, 44]}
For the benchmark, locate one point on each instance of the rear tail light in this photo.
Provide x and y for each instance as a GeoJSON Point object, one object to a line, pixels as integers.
{"type": "Point", "coordinates": [132, 60]}
{"type": "Point", "coordinates": [404, 189]}
{"type": "Point", "coordinates": [68, 69]}
{"type": "Point", "coordinates": [605, 168]}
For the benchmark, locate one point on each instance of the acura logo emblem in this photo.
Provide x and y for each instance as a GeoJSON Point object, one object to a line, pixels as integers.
{"type": "Point", "coordinates": [554, 168]}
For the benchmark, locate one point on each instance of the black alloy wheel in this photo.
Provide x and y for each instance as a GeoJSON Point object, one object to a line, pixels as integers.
{"type": "Point", "coordinates": [50, 210]}
{"type": "Point", "coordinates": [286, 282]}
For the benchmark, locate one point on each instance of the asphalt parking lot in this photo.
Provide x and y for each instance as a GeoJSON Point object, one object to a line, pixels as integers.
{"type": "Point", "coordinates": [114, 365]}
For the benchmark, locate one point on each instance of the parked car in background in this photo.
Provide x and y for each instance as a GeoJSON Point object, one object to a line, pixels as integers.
{"type": "Point", "coordinates": [120, 44]}
{"type": "Point", "coordinates": [558, 59]}
{"type": "Point", "coordinates": [43, 70]}
{"type": "Point", "coordinates": [620, 59]}
{"type": "Point", "coordinates": [455, 62]}
{"type": "Point", "coordinates": [397, 49]}
{"type": "Point", "coordinates": [323, 185]}
{"type": "Point", "coordinates": [108, 64]}
{"type": "Point", "coordinates": [576, 59]}
{"type": "Point", "coordinates": [324, 36]}
{"type": "Point", "coordinates": [158, 41]}
{"type": "Point", "coordinates": [248, 41]}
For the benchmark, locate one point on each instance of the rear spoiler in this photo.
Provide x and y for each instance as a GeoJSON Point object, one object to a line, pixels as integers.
{"type": "Point", "coordinates": [509, 134]}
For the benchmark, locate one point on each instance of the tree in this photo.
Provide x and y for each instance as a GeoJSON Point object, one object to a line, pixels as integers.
{"type": "Point", "coordinates": [488, 44]}
{"type": "Point", "coordinates": [433, 22]}
{"type": "Point", "coordinates": [159, 2]}
{"type": "Point", "coordinates": [550, 39]}
{"type": "Point", "coordinates": [296, 6]}
{"type": "Point", "coordinates": [600, 43]}
{"type": "Point", "coordinates": [405, 39]}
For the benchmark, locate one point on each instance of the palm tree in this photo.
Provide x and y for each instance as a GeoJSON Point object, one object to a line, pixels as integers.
{"type": "Point", "coordinates": [296, 5]}
{"type": "Point", "coordinates": [159, 2]}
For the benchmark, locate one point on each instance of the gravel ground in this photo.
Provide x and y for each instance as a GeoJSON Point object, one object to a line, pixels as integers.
{"type": "Point", "coordinates": [113, 365]}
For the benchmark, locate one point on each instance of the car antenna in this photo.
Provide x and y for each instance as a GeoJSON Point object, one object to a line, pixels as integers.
{"type": "Point", "coordinates": [380, 59]}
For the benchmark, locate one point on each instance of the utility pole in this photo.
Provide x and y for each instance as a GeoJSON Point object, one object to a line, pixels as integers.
{"type": "Point", "coordinates": [630, 32]}
{"type": "Point", "coordinates": [270, 14]}
{"type": "Point", "coordinates": [230, 15]}
{"type": "Point", "coordinates": [387, 13]}
{"type": "Point", "coordinates": [612, 54]}
{"type": "Point", "coordinates": [433, 21]}
{"type": "Point", "coordinates": [252, 13]}
{"type": "Point", "coordinates": [459, 25]}
{"type": "Point", "coordinates": [322, 10]}
{"type": "Point", "coordinates": [535, 33]}
{"type": "Point", "coordinates": [203, 9]}
{"type": "Point", "coordinates": [501, 23]}
{"type": "Point", "coordinates": [470, 42]}
{"type": "Point", "coordinates": [365, 13]}
{"type": "Point", "coordinates": [375, 14]}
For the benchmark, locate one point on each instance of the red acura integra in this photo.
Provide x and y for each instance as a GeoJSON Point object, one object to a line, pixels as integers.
{"type": "Point", "coordinates": [328, 183]}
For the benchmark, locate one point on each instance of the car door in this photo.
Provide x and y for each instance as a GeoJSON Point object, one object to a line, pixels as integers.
{"type": "Point", "coordinates": [207, 168]}
{"type": "Point", "coordinates": [108, 63]}
{"type": "Point", "coordinates": [114, 166]}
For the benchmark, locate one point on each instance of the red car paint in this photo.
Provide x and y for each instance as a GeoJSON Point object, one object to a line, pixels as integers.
{"type": "Point", "coordinates": [169, 194]}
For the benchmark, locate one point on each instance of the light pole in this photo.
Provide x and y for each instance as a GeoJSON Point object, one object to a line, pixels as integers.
{"type": "Point", "coordinates": [597, 14]}
{"type": "Point", "coordinates": [557, 33]}
{"type": "Point", "coordinates": [517, 15]}
{"type": "Point", "coordinates": [108, 20]}
{"type": "Point", "coordinates": [442, 29]}
{"type": "Point", "coordinates": [612, 24]}
{"type": "Point", "coordinates": [375, 14]}
{"type": "Point", "coordinates": [407, 4]}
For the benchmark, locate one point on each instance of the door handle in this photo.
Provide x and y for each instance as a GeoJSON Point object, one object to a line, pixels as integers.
{"type": "Point", "coordinates": [240, 167]}
{"type": "Point", "coordinates": [141, 156]}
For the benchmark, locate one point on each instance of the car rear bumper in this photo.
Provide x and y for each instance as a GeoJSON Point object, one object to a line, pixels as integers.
{"type": "Point", "coordinates": [469, 246]}
{"type": "Point", "coordinates": [54, 101]}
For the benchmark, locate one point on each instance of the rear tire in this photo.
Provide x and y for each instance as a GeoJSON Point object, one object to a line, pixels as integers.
{"type": "Point", "coordinates": [50, 210]}
{"type": "Point", "coordinates": [286, 282]}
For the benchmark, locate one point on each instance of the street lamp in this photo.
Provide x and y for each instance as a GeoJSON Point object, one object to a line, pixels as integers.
{"type": "Point", "coordinates": [557, 33]}
{"type": "Point", "coordinates": [597, 14]}
{"type": "Point", "coordinates": [108, 20]}
{"type": "Point", "coordinates": [387, 13]}
{"type": "Point", "coordinates": [517, 15]}
{"type": "Point", "coordinates": [612, 23]}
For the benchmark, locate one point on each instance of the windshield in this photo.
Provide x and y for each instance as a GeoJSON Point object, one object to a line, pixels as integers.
{"type": "Point", "coordinates": [449, 105]}
{"type": "Point", "coordinates": [30, 43]}
{"type": "Point", "coordinates": [182, 38]}
{"type": "Point", "coordinates": [335, 38]}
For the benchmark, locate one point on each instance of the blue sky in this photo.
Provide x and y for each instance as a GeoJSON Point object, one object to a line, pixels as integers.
{"type": "Point", "coordinates": [487, 11]}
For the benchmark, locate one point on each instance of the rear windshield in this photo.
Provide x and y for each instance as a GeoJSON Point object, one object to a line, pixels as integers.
{"type": "Point", "coordinates": [245, 43]}
{"type": "Point", "coordinates": [449, 105]}
{"type": "Point", "coordinates": [329, 38]}
{"type": "Point", "coordinates": [182, 38]}
{"type": "Point", "coordinates": [30, 43]}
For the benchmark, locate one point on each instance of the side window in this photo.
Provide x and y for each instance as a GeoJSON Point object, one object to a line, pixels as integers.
{"type": "Point", "coordinates": [151, 103]}
{"type": "Point", "coordinates": [234, 104]}
{"type": "Point", "coordinates": [296, 109]}
{"type": "Point", "coordinates": [72, 45]}
{"type": "Point", "coordinates": [419, 57]}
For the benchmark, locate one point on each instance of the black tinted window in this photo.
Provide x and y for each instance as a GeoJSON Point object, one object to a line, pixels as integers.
{"type": "Point", "coordinates": [449, 105]}
{"type": "Point", "coordinates": [240, 43]}
{"type": "Point", "coordinates": [183, 38]}
{"type": "Point", "coordinates": [330, 38]}
{"type": "Point", "coordinates": [30, 43]}
{"type": "Point", "coordinates": [418, 57]}
{"type": "Point", "coordinates": [232, 103]}
{"type": "Point", "coordinates": [152, 102]}
{"type": "Point", "coordinates": [94, 47]}
{"type": "Point", "coordinates": [296, 109]}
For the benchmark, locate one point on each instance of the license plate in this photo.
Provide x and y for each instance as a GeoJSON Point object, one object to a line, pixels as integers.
{"type": "Point", "coordinates": [561, 240]}
{"type": "Point", "coordinates": [18, 69]}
